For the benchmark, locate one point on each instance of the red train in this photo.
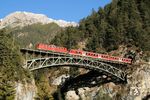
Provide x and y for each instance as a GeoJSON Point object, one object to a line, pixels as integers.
{"type": "Point", "coordinates": [105, 57]}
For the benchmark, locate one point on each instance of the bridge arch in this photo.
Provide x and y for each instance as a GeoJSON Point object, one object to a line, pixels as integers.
{"type": "Point", "coordinates": [87, 63]}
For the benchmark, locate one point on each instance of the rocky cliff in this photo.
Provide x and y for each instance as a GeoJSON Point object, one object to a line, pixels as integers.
{"type": "Point", "coordinates": [137, 88]}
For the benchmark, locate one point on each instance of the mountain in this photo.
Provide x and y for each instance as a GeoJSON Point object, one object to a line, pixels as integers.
{"type": "Point", "coordinates": [29, 28]}
{"type": "Point", "coordinates": [122, 22]}
{"type": "Point", "coordinates": [21, 19]}
{"type": "Point", "coordinates": [119, 27]}
{"type": "Point", "coordinates": [29, 36]}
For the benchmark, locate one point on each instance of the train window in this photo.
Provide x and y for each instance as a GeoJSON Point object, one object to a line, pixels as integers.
{"type": "Point", "coordinates": [95, 54]}
{"type": "Point", "coordinates": [87, 53]}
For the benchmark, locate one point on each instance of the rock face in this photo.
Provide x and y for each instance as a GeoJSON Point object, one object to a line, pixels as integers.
{"type": "Point", "coordinates": [26, 91]}
{"type": "Point", "coordinates": [59, 80]}
{"type": "Point", "coordinates": [21, 19]}
{"type": "Point", "coordinates": [137, 88]}
{"type": "Point", "coordinates": [71, 95]}
{"type": "Point", "coordinates": [139, 83]}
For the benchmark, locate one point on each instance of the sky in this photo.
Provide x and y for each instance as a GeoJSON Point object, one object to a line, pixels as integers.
{"type": "Point", "coordinates": [69, 10]}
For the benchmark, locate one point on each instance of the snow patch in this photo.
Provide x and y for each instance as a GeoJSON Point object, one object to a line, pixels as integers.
{"type": "Point", "coordinates": [22, 19]}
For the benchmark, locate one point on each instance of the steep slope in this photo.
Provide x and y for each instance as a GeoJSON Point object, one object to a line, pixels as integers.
{"type": "Point", "coordinates": [30, 35]}
{"type": "Point", "coordinates": [11, 70]}
{"type": "Point", "coordinates": [21, 19]}
{"type": "Point", "coordinates": [121, 22]}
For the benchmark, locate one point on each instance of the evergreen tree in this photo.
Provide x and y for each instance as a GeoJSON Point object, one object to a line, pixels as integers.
{"type": "Point", "coordinates": [120, 22]}
{"type": "Point", "coordinates": [11, 70]}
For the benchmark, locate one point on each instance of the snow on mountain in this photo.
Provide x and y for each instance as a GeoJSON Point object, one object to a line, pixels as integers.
{"type": "Point", "coordinates": [21, 19]}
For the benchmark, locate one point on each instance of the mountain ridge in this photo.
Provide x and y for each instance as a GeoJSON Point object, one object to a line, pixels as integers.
{"type": "Point", "coordinates": [21, 19]}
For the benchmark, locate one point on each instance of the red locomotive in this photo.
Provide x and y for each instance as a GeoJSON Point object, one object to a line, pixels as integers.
{"type": "Point", "coordinates": [53, 48]}
{"type": "Point", "coordinates": [104, 57]}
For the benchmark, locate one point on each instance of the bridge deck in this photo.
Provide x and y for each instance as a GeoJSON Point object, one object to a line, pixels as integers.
{"type": "Point", "coordinates": [49, 53]}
